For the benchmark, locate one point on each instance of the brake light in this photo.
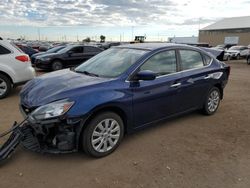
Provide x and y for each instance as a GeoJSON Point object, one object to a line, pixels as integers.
{"type": "Point", "coordinates": [23, 58]}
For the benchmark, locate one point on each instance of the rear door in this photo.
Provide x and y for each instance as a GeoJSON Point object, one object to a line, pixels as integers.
{"type": "Point", "coordinates": [156, 99]}
{"type": "Point", "coordinates": [90, 51]}
{"type": "Point", "coordinates": [195, 81]}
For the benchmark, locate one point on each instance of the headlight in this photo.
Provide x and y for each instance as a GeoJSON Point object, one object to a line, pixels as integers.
{"type": "Point", "coordinates": [52, 110]}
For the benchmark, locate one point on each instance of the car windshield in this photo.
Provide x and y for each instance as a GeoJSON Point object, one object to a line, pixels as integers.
{"type": "Point", "coordinates": [235, 48]}
{"type": "Point", "coordinates": [220, 46]}
{"type": "Point", "coordinates": [55, 49]}
{"type": "Point", "coordinates": [65, 49]}
{"type": "Point", "coordinates": [110, 63]}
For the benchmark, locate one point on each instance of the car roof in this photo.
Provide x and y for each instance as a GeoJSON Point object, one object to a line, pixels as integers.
{"type": "Point", "coordinates": [153, 46]}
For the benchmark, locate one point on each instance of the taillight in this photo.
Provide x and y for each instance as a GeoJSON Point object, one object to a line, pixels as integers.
{"type": "Point", "coordinates": [23, 58]}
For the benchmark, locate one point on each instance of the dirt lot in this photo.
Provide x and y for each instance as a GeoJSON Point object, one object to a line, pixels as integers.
{"type": "Point", "coordinates": [189, 151]}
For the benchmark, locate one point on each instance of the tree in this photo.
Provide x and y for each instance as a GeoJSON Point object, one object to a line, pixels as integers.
{"type": "Point", "coordinates": [86, 40]}
{"type": "Point", "coordinates": [102, 37]}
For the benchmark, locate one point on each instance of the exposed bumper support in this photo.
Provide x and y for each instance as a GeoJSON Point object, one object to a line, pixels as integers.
{"type": "Point", "coordinates": [13, 141]}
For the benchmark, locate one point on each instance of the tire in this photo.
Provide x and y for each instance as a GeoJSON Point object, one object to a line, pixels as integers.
{"type": "Point", "coordinates": [228, 58]}
{"type": "Point", "coordinates": [238, 57]}
{"type": "Point", "coordinates": [98, 134]}
{"type": "Point", "coordinates": [57, 65]}
{"type": "Point", "coordinates": [212, 101]}
{"type": "Point", "coordinates": [5, 86]}
{"type": "Point", "coordinates": [248, 61]}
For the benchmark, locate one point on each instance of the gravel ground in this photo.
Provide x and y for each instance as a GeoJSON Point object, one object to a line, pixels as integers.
{"type": "Point", "coordinates": [189, 151]}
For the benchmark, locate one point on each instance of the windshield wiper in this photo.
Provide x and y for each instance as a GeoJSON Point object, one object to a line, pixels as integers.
{"type": "Point", "coordinates": [88, 73]}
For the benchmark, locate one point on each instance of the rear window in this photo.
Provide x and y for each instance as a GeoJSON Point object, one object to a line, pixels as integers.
{"type": "Point", "coordinates": [4, 50]}
{"type": "Point", "coordinates": [15, 46]}
{"type": "Point", "coordinates": [91, 49]}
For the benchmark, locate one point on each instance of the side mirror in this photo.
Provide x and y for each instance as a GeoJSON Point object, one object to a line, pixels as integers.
{"type": "Point", "coordinates": [145, 75]}
{"type": "Point", "coordinates": [70, 53]}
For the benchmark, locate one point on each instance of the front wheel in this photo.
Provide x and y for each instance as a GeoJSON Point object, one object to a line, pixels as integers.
{"type": "Point", "coordinates": [248, 61]}
{"type": "Point", "coordinates": [57, 65]}
{"type": "Point", "coordinates": [103, 134]}
{"type": "Point", "coordinates": [212, 101]}
{"type": "Point", "coordinates": [238, 57]}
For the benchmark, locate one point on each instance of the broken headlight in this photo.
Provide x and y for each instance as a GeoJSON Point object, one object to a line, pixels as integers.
{"type": "Point", "coordinates": [51, 110]}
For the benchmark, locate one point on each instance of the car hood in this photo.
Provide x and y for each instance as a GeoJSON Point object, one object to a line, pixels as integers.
{"type": "Point", "coordinates": [47, 55]}
{"type": "Point", "coordinates": [55, 86]}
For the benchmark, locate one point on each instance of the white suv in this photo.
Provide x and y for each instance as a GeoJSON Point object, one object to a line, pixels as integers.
{"type": "Point", "coordinates": [15, 67]}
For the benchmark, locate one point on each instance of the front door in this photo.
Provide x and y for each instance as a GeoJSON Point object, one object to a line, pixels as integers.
{"type": "Point", "coordinates": [156, 99]}
{"type": "Point", "coordinates": [75, 56]}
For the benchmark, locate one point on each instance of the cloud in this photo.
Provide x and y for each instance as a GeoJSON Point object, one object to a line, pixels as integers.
{"type": "Point", "coordinates": [84, 12]}
{"type": "Point", "coordinates": [117, 12]}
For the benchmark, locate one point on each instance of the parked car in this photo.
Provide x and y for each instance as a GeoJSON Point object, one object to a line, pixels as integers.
{"type": "Point", "coordinates": [52, 50]}
{"type": "Point", "coordinates": [118, 91]}
{"type": "Point", "coordinates": [236, 52]}
{"type": "Point", "coordinates": [72, 55]}
{"type": "Point", "coordinates": [15, 67]}
{"type": "Point", "coordinates": [224, 46]}
{"type": "Point", "coordinates": [27, 49]}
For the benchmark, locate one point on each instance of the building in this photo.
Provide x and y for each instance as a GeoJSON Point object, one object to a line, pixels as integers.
{"type": "Point", "coordinates": [227, 31]}
{"type": "Point", "coordinates": [184, 40]}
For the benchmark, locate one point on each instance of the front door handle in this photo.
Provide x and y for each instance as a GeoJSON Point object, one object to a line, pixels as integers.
{"type": "Point", "coordinates": [176, 85]}
{"type": "Point", "coordinates": [207, 77]}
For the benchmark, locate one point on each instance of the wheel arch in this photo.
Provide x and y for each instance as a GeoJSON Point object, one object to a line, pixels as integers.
{"type": "Point", "coordinates": [8, 76]}
{"type": "Point", "coordinates": [219, 86]}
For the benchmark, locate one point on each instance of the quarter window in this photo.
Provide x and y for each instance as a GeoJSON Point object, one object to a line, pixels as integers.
{"type": "Point", "coordinates": [4, 50]}
{"type": "Point", "coordinates": [207, 59]}
{"type": "Point", "coordinates": [162, 63]}
{"type": "Point", "coordinates": [190, 59]}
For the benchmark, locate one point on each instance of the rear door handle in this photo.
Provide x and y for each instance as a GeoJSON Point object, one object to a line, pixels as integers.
{"type": "Point", "coordinates": [176, 85]}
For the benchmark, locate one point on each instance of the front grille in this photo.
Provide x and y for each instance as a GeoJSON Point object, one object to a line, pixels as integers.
{"type": "Point", "coordinates": [30, 141]}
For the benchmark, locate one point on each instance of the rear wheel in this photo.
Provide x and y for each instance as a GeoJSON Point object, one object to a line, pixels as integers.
{"type": "Point", "coordinates": [103, 134]}
{"type": "Point", "coordinates": [212, 101]}
{"type": "Point", "coordinates": [5, 86]}
{"type": "Point", "coordinates": [57, 65]}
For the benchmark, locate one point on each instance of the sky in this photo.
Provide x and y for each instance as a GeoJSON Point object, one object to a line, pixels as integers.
{"type": "Point", "coordinates": [73, 20]}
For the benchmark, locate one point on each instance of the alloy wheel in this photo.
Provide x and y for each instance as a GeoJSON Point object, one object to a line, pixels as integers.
{"type": "Point", "coordinates": [105, 135]}
{"type": "Point", "coordinates": [213, 101]}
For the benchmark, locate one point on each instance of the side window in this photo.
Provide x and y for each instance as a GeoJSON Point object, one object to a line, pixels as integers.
{"type": "Point", "coordinates": [90, 49]}
{"type": "Point", "coordinates": [4, 50]}
{"type": "Point", "coordinates": [207, 60]}
{"type": "Point", "coordinates": [162, 63]}
{"type": "Point", "coordinates": [190, 59]}
{"type": "Point", "coordinates": [78, 49]}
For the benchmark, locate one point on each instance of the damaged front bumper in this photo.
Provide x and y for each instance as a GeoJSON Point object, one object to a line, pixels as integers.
{"type": "Point", "coordinates": [50, 136]}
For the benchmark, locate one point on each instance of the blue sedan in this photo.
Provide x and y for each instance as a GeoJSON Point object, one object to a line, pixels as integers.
{"type": "Point", "coordinates": [119, 91]}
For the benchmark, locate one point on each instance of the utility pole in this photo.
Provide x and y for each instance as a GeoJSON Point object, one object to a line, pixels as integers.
{"type": "Point", "coordinates": [132, 33]}
{"type": "Point", "coordinates": [38, 30]}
